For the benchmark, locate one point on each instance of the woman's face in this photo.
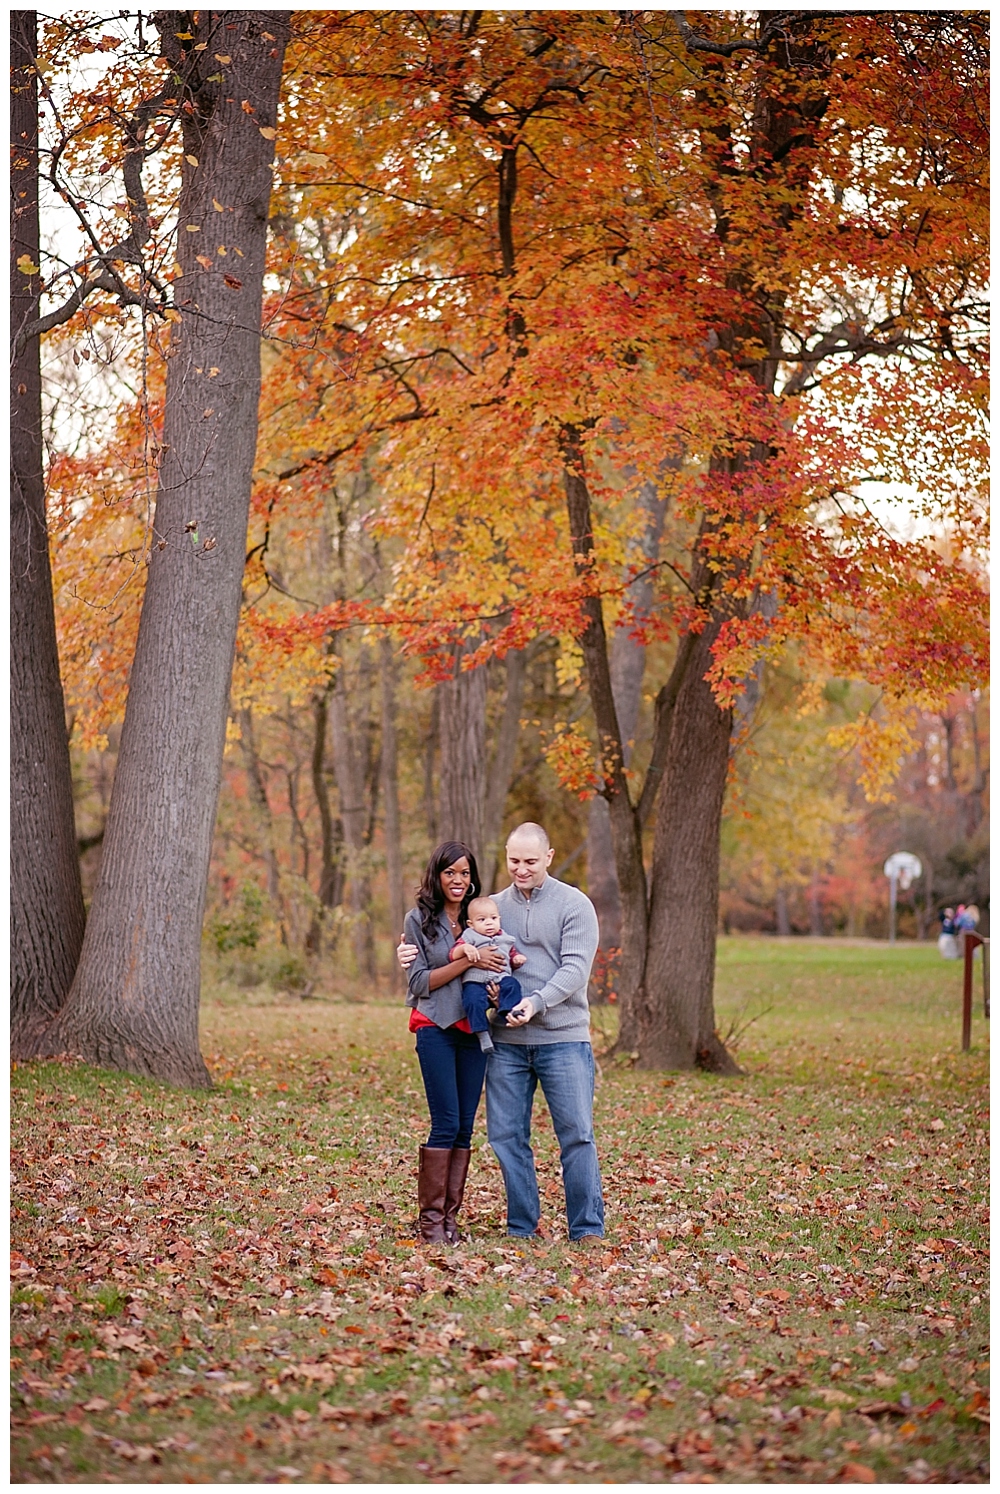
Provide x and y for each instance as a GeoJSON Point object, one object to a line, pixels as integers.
{"type": "Point", "coordinates": [455, 880]}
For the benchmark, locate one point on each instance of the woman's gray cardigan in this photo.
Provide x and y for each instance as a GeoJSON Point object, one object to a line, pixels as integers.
{"type": "Point", "coordinates": [443, 1006]}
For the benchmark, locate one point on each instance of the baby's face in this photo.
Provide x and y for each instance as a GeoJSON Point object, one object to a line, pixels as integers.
{"type": "Point", "coordinates": [487, 923]}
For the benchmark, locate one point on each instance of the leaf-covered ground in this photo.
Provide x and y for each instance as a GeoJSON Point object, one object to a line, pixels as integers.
{"type": "Point", "coordinates": [226, 1286]}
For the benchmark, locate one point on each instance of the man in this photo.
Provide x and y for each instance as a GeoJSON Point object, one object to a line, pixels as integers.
{"type": "Point", "coordinates": [546, 1040]}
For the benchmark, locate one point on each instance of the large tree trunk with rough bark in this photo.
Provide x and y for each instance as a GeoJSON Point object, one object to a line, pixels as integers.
{"type": "Point", "coordinates": [46, 900]}
{"type": "Point", "coordinates": [672, 1024]}
{"type": "Point", "coordinates": [463, 753]}
{"type": "Point", "coordinates": [134, 1002]}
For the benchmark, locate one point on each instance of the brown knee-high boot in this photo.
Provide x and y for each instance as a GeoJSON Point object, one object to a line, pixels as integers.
{"type": "Point", "coordinates": [432, 1187]}
{"type": "Point", "coordinates": [457, 1174]}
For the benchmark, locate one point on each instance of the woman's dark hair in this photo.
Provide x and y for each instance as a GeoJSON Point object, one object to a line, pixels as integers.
{"type": "Point", "coordinates": [430, 898]}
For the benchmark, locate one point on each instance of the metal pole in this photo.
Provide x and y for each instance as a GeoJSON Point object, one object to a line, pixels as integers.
{"type": "Point", "coordinates": [969, 942]}
{"type": "Point", "coordinates": [892, 906]}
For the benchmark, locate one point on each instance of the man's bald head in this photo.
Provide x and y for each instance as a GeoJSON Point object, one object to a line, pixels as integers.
{"type": "Point", "coordinates": [529, 856]}
{"type": "Point", "coordinates": [529, 828]}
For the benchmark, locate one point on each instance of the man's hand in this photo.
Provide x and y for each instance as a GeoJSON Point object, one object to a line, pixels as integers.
{"type": "Point", "coordinates": [522, 1013]}
{"type": "Point", "coordinates": [406, 954]}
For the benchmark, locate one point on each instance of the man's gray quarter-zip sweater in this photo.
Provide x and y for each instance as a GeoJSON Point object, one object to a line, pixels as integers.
{"type": "Point", "coordinates": [556, 929]}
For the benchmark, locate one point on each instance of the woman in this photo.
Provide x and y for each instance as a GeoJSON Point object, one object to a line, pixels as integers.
{"type": "Point", "coordinates": [451, 1062]}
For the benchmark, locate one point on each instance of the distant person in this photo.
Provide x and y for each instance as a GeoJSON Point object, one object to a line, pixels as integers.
{"type": "Point", "coordinates": [967, 917]}
{"type": "Point", "coordinates": [947, 941]}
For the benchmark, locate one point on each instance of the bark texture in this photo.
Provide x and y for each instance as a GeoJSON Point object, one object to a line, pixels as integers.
{"type": "Point", "coordinates": [463, 754]}
{"type": "Point", "coordinates": [47, 917]}
{"type": "Point", "coordinates": [674, 1017]}
{"type": "Point", "coordinates": [134, 1002]}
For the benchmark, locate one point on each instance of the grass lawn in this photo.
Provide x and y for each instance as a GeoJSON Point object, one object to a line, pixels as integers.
{"type": "Point", "coordinates": [226, 1286]}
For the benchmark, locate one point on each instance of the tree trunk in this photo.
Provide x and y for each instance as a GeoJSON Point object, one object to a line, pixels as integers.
{"type": "Point", "coordinates": [47, 917]}
{"type": "Point", "coordinates": [628, 663]}
{"type": "Point", "coordinates": [260, 802]}
{"type": "Point", "coordinates": [624, 820]}
{"type": "Point", "coordinates": [463, 753]}
{"type": "Point", "coordinates": [431, 744]}
{"type": "Point", "coordinates": [501, 766]}
{"type": "Point", "coordinates": [349, 770]}
{"type": "Point", "coordinates": [331, 873]}
{"type": "Point", "coordinates": [390, 795]}
{"type": "Point", "coordinates": [134, 1002]}
{"type": "Point", "coordinates": [784, 927]}
{"type": "Point", "coordinates": [815, 908]}
{"type": "Point", "coordinates": [674, 1020]}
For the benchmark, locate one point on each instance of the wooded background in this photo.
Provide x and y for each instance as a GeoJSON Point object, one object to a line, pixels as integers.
{"type": "Point", "coordinates": [585, 338]}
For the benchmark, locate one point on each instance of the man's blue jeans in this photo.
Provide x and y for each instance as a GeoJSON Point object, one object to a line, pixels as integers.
{"type": "Point", "coordinates": [566, 1074]}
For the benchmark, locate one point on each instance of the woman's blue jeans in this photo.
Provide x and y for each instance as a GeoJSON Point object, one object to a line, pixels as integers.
{"type": "Point", "coordinates": [452, 1064]}
{"type": "Point", "coordinates": [566, 1073]}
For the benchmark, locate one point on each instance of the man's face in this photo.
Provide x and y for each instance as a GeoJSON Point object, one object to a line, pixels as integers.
{"type": "Point", "coordinates": [527, 861]}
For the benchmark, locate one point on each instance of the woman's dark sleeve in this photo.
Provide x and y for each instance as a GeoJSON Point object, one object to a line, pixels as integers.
{"type": "Point", "coordinates": [418, 975]}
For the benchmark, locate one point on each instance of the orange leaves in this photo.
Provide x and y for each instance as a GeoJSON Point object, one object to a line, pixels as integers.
{"type": "Point", "coordinates": [570, 755]}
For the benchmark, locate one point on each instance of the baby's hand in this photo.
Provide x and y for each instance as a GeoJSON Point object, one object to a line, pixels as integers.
{"type": "Point", "coordinates": [517, 960]}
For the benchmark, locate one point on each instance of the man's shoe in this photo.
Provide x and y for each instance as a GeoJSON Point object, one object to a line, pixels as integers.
{"type": "Point", "coordinates": [589, 1243]}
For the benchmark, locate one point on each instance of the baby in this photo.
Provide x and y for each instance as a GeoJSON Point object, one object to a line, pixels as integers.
{"type": "Point", "coordinates": [484, 928]}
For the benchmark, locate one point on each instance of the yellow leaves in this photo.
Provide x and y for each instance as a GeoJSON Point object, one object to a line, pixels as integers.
{"type": "Point", "coordinates": [26, 265]}
{"type": "Point", "coordinates": [267, 132]}
{"type": "Point", "coordinates": [881, 740]}
{"type": "Point", "coordinates": [569, 661]}
{"type": "Point", "coordinates": [217, 205]}
{"type": "Point", "coordinates": [191, 160]}
{"type": "Point", "coordinates": [811, 698]}
{"type": "Point", "coordinates": [223, 58]}
{"type": "Point", "coordinates": [193, 227]}
{"type": "Point", "coordinates": [204, 261]}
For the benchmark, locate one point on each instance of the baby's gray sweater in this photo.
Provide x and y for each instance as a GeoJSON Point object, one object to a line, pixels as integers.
{"type": "Point", "coordinates": [556, 930]}
{"type": "Point", "coordinates": [475, 975]}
